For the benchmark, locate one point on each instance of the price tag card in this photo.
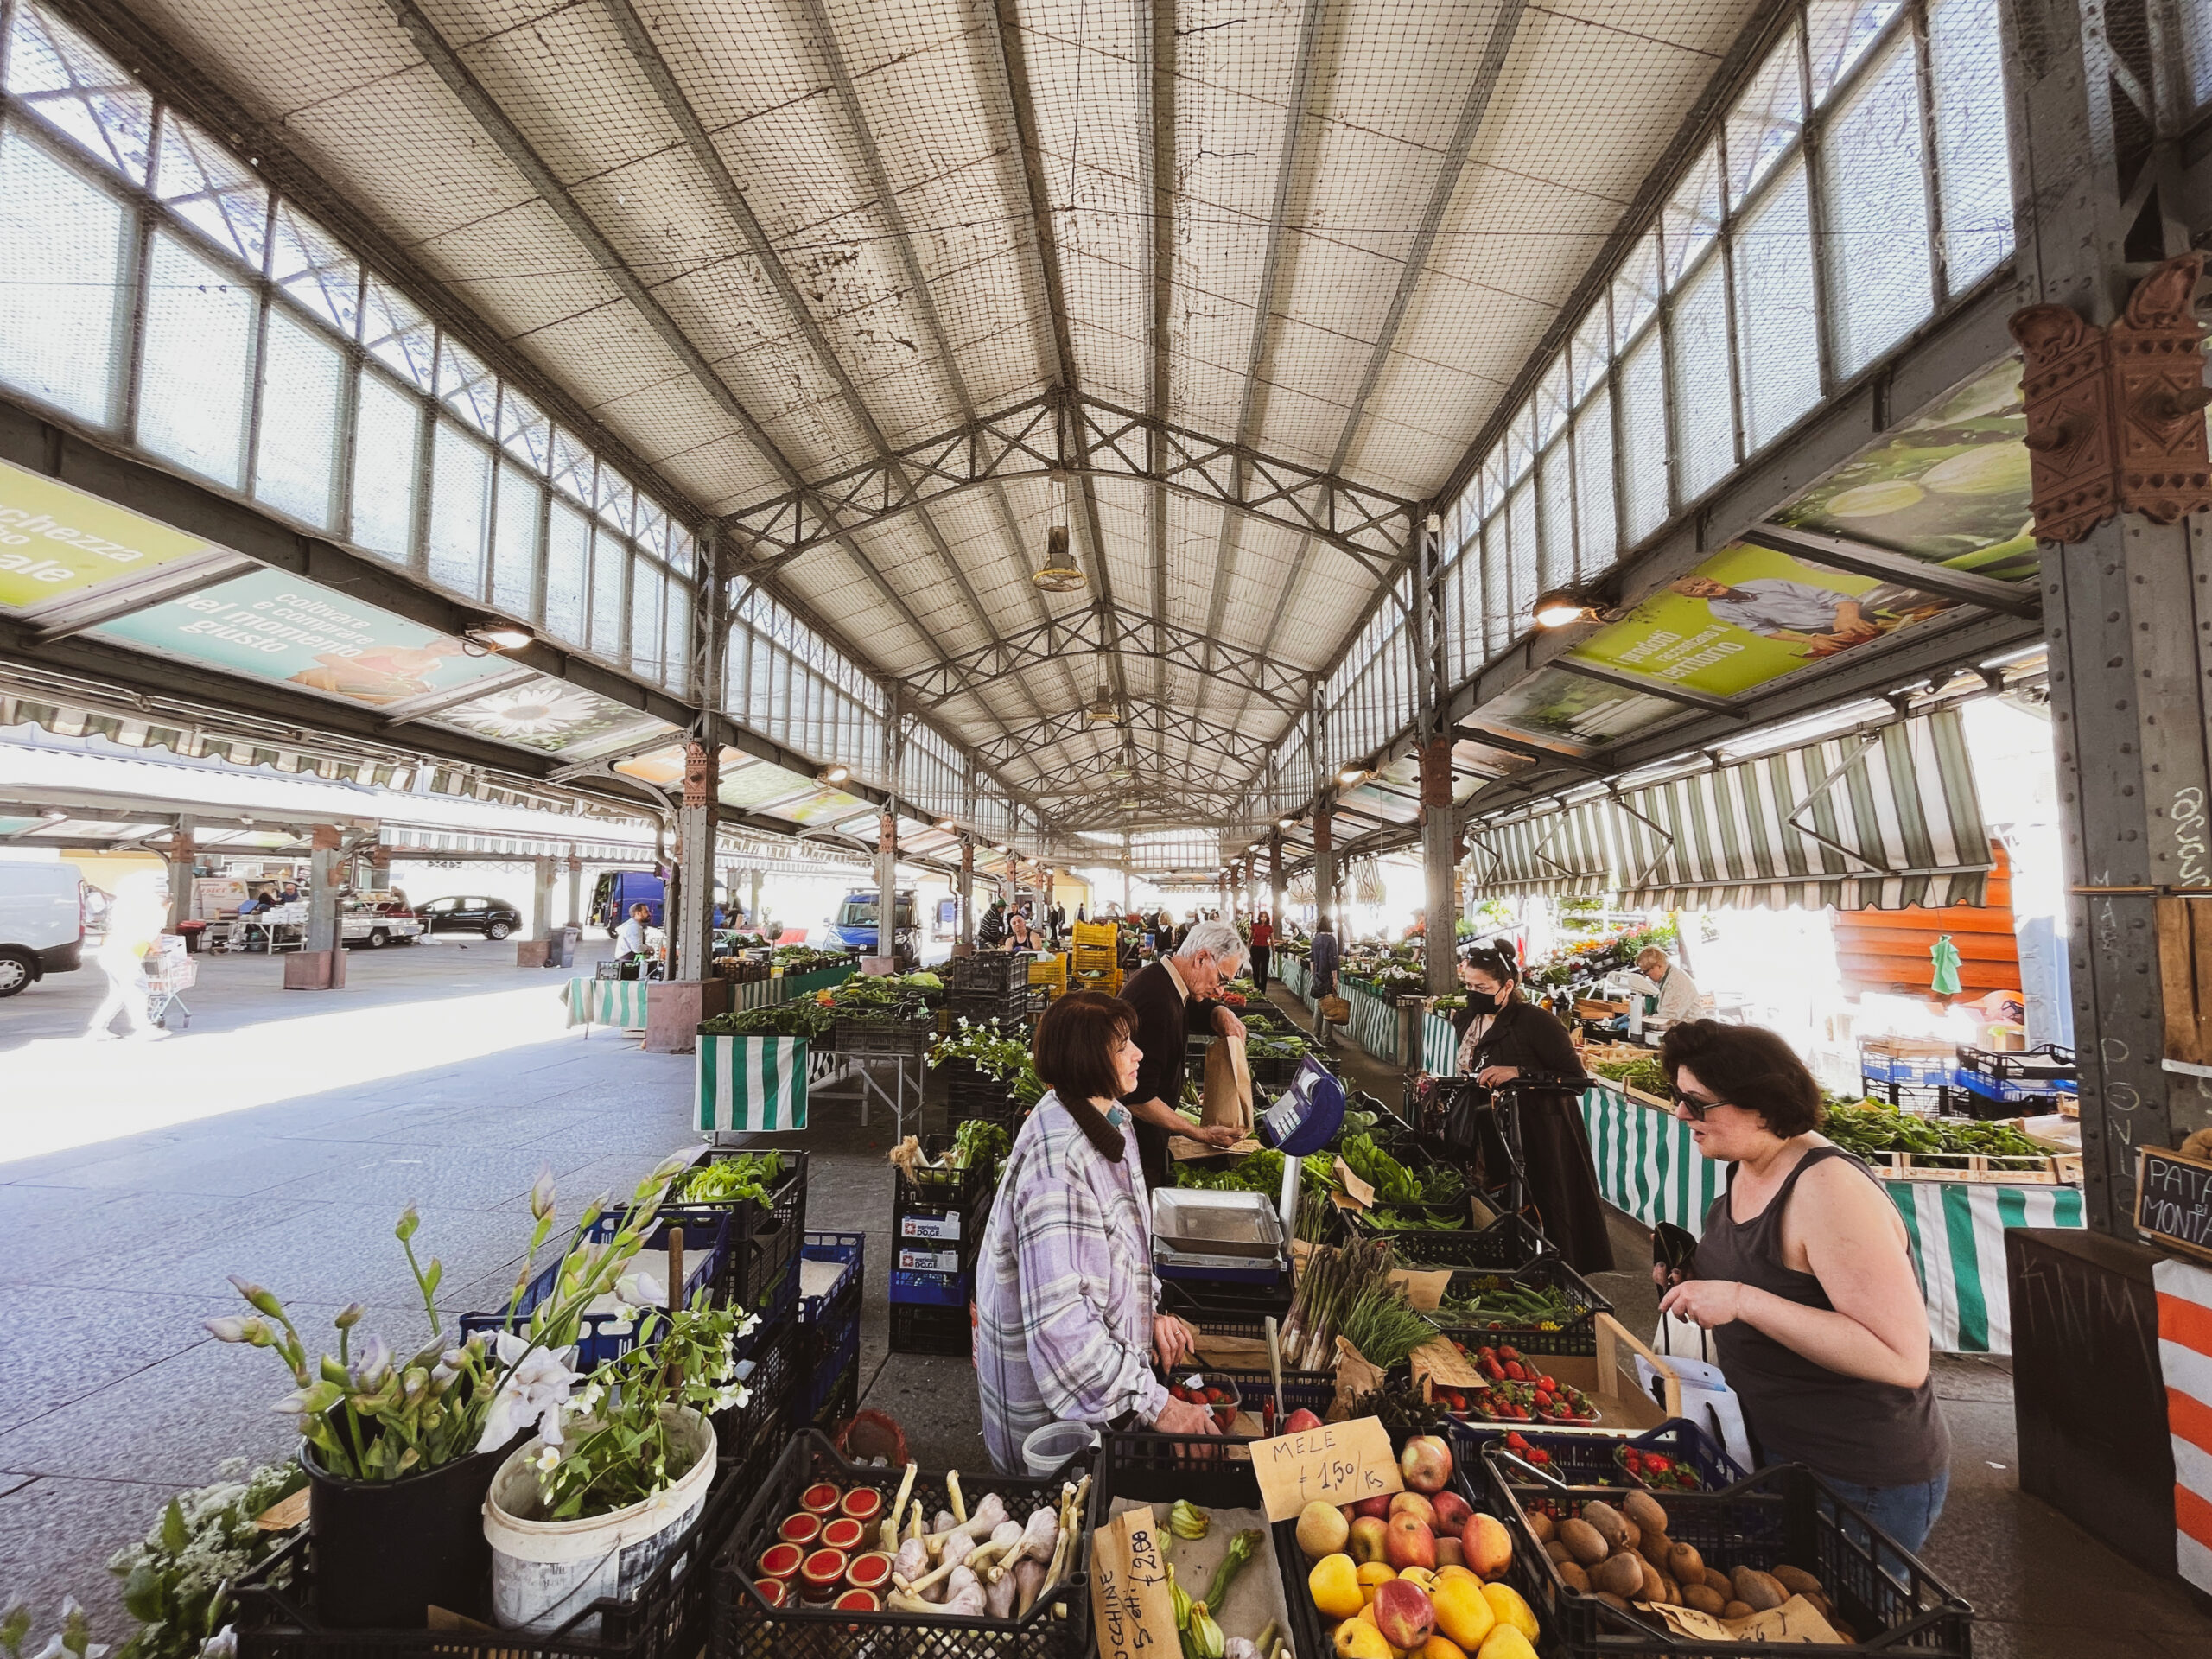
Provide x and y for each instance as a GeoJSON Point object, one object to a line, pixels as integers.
{"type": "Point", "coordinates": [1132, 1609]}
{"type": "Point", "coordinates": [1441, 1360]}
{"type": "Point", "coordinates": [1337, 1463]}
{"type": "Point", "coordinates": [1360, 1189]}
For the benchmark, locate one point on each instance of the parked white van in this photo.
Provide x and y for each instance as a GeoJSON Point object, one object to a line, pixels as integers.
{"type": "Point", "coordinates": [41, 922]}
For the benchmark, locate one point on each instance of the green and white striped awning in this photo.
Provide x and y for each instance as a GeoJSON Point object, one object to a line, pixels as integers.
{"type": "Point", "coordinates": [1874, 821]}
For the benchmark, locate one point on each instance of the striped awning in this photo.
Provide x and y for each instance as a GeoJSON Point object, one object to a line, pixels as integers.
{"type": "Point", "coordinates": [1874, 820]}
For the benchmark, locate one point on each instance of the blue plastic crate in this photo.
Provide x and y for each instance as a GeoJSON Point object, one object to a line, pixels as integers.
{"type": "Point", "coordinates": [847, 1247]}
{"type": "Point", "coordinates": [1584, 1457]}
{"type": "Point", "coordinates": [603, 1336]}
{"type": "Point", "coordinates": [1921, 1071]}
{"type": "Point", "coordinates": [2012, 1091]}
{"type": "Point", "coordinates": [915, 1287]}
{"type": "Point", "coordinates": [814, 1387]}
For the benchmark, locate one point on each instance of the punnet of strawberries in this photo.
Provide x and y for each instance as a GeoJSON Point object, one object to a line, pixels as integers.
{"type": "Point", "coordinates": [1655, 1469]}
{"type": "Point", "coordinates": [1522, 1390]}
{"type": "Point", "coordinates": [1195, 1389]}
{"type": "Point", "coordinates": [1517, 1444]}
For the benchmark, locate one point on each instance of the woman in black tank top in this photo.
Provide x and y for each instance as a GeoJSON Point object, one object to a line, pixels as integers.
{"type": "Point", "coordinates": [1804, 1279]}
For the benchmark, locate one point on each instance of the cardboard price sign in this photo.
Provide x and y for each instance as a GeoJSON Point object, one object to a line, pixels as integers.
{"type": "Point", "coordinates": [1337, 1463]}
{"type": "Point", "coordinates": [1363, 1190]}
{"type": "Point", "coordinates": [1132, 1609]}
{"type": "Point", "coordinates": [1441, 1360]}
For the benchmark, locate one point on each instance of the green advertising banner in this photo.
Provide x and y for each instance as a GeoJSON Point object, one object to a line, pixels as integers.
{"type": "Point", "coordinates": [271, 626]}
{"type": "Point", "coordinates": [57, 540]}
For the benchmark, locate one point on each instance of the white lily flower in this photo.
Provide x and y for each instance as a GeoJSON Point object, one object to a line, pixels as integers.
{"type": "Point", "coordinates": [546, 1461]}
{"type": "Point", "coordinates": [52, 1649]}
{"type": "Point", "coordinates": [535, 1388]}
{"type": "Point", "coordinates": [641, 1290]}
{"type": "Point", "coordinates": [223, 1644]}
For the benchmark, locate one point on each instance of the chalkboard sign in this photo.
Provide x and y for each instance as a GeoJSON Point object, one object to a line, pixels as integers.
{"type": "Point", "coordinates": [2173, 1201]}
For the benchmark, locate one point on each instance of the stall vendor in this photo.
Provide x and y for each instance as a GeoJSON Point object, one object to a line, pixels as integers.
{"type": "Point", "coordinates": [1657, 977]}
{"type": "Point", "coordinates": [1804, 1277]}
{"type": "Point", "coordinates": [1505, 1039]}
{"type": "Point", "coordinates": [1066, 1330]}
{"type": "Point", "coordinates": [1174, 998]}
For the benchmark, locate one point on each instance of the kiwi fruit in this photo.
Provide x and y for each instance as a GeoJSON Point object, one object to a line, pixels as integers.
{"type": "Point", "coordinates": [1574, 1578]}
{"type": "Point", "coordinates": [1797, 1581]}
{"type": "Point", "coordinates": [1558, 1551]}
{"type": "Point", "coordinates": [1655, 1588]}
{"type": "Point", "coordinates": [1652, 1547]}
{"type": "Point", "coordinates": [1606, 1521]}
{"type": "Point", "coordinates": [1621, 1576]}
{"type": "Point", "coordinates": [1722, 1582]}
{"type": "Point", "coordinates": [1760, 1590]}
{"type": "Point", "coordinates": [1735, 1609]}
{"type": "Point", "coordinates": [1584, 1541]}
{"type": "Point", "coordinates": [1704, 1598]}
{"type": "Point", "coordinates": [1669, 1591]}
{"type": "Point", "coordinates": [1644, 1508]}
{"type": "Point", "coordinates": [1612, 1600]}
{"type": "Point", "coordinates": [1543, 1526]}
{"type": "Point", "coordinates": [1685, 1563]}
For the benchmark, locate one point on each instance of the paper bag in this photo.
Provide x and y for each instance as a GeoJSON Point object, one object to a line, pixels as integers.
{"type": "Point", "coordinates": [1356, 1375]}
{"type": "Point", "coordinates": [1229, 1086]}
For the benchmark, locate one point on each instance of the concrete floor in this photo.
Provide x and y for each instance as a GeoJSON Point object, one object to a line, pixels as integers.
{"type": "Point", "coordinates": [281, 1134]}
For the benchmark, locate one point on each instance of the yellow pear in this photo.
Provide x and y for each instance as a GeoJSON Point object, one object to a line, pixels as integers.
{"type": "Point", "coordinates": [1334, 1588]}
{"type": "Point", "coordinates": [1503, 1642]}
{"type": "Point", "coordinates": [1357, 1639]}
{"type": "Point", "coordinates": [1463, 1613]}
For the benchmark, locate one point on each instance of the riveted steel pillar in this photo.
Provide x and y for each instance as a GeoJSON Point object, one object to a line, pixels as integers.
{"type": "Point", "coordinates": [693, 941]}
{"type": "Point", "coordinates": [1437, 863]}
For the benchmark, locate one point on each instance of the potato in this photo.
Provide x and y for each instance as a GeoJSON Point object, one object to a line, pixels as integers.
{"type": "Point", "coordinates": [1584, 1541]}
{"type": "Point", "coordinates": [1798, 1579]}
{"type": "Point", "coordinates": [1685, 1563]}
{"type": "Point", "coordinates": [1558, 1551]}
{"type": "Point", "coordinates": [1644, 1508]}
{"type": "Point", "coordinates": [1574, 1578]}
{"type": "Point", "coordinates": [1621, 1576]}
{"type": "Point", "coordinates": [1736, 1609]}
{"type": "Point", "coordinates": [1704, 1598]}
{"type": "Point", "coordinates": [1606, 1521]}
{"type": "Point", "coordinates": [1760, 1590]}
{"type": "Point", "coordinates": [1543, 1526]}
{"type": "Point", "coordinates": [1652, 1547]}
{"type": "Point", "coordinates": [1722, 1582]}
{"type": "Point", "coordinates": [1654, 1588]}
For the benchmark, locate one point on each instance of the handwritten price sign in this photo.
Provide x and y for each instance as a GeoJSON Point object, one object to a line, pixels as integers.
{"type": "Point", "coordinates": [1337, 1463]}
{"type": "Point", "coordinates": [1132, 1609]}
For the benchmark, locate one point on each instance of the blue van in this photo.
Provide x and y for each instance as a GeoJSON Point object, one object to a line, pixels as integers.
{"type": "Point", "coordinates": [617, 890]}
{"type": "Point", "coordinates": [853, 926]}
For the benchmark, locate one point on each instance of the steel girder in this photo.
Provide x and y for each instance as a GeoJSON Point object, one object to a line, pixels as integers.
{"type": "Point", "coordinates": [1083, 634]}
{"type": "Point", "coordinates": [1150, 723]}
{"type": "Point", "coordinates": [1084, 437]}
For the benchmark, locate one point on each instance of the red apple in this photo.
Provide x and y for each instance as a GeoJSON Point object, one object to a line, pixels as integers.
{"type": "Point", "coordinates": [1408, 1542]}
{"type": "Point", "coordinates": [1405, 1615]}
{"type": "Point", "coordinates": [1452, 1512]}
{"type": "Point", "coordinates": [1368, 1539]}
{"type": "Point", "coordinates": [1413, 1503]}
{"type": "Point", "coordinates": [1426, 1463]}
{"type": "Point", "coordinates": [1299, 1421]}
{"type": "Point", "coordinates": [1486, 1545]}
{"type": "Point", "coordinates": [1377, 1507]}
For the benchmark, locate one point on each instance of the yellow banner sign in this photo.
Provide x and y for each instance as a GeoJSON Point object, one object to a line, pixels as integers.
{"type": "Point", "coordinates": [55, 540]}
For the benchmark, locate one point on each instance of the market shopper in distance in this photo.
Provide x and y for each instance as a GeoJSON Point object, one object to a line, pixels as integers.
{"type": "Point", "coordinates": [1322, 962]}
{"type": "Point", "coordinates": [1066, 1330]}
{"type": "Point", "coordinates": [1506, 1038]}
{"type": "Point", "coordinates": [1263, 940]}
{"type": "Point", "coordinates": [1173, 998]}
{"type": "Point", "coordinates": [1804, 1277]}
{"type": "Point", "coordinates": [1676, 991]}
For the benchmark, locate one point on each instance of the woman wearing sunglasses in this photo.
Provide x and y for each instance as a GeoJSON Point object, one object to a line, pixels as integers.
{"type": "Point", "coordinates": [1803, 1277]}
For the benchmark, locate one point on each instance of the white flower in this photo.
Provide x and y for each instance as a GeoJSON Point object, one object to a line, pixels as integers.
{"type": "Point", "coordinates": [737, 1395]}
{"type": "Point", "coordinates": [641, 1290]}
{"type": "Point", "coordinates": [535, 1388]}
{"type": "Point", "coordinates": [52, 1649]}
{"type": "Point", "coordinates": [546, 1461]}
{"type": "Point", "coordinates": [223, 1644]}
{"type": "Point", "coordinates": [586, 1401]}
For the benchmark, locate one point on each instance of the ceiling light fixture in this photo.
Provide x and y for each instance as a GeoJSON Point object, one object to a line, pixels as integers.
{"type": "Point", "coordinates": [1286, 823]}
{"type": "Point", "coordinates": [1561, 607]}
{"type": "Point", "coordinates": [944, 824]}
{"type": "Point", "coordinates": [1351, 777]}
{"type": "Point", "coordinates": [1103, 710]}
{"type": "Point", "coordinates": [1060, 574]}
{"type": "Point", "coordinates": [53, 815]}
{"type": "Point", "coordinates": [495, 633]}
{"type": "Point", "coordinates": [833, 774]}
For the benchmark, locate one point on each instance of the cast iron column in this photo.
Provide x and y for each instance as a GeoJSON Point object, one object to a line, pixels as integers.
{"type": "Point", "coordinates": [1437, 863]}
{"type": "Point", "coordinates": [541, 899]}
{"type": "Point", "coordinates": [2113, 384]}
{"type": "Point", "coordinates": [323, 930]}
{"type": "Point", "coordinates": [967, 892]}
{"type": "Point", "coordinates": [692, 942]}
{"type": "Point", "coordinates": [181, 854]}
{"type": "Point", "coordinates": [1275, 878]}
{"type": "Point", "coordinates": [1325, 868]}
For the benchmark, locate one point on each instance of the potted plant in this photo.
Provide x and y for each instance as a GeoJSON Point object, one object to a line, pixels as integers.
{"type": "Point", "coordinates": [400, 1452]}
{"type": "Point", "coordinates": [591, 1505]}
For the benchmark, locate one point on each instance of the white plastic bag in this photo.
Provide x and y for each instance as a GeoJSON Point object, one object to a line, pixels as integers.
{"type": "Point", "coordinates": [1709, 1401]}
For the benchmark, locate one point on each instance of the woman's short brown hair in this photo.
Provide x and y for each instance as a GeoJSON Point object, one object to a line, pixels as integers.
{"type": "Point", "coordinates": [1074, 1057]}
{"type": "Point", "coordinates": [1748, 1066]}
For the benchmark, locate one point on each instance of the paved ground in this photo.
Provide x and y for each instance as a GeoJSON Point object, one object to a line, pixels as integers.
{"type": "Point", "coordinates": [280, 1136]}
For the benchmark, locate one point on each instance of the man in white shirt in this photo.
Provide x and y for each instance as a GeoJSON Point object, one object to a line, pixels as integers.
{"type": "Point", "coordinates": [1676, 991]}
{"type": "Point", "coordinates": [630, 938]}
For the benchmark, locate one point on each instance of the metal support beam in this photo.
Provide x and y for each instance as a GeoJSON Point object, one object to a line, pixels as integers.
{"type": "Point", "coordinates": [691, 934]}
{"type": "Point", "coordinates": [1841, 553]}
{"type": "Point", "coordinates": [1225, 744]}
{"type": "Point", "coordinates": [1283, 684]}
{"type": "Point", "coordinates": [1664, 689]}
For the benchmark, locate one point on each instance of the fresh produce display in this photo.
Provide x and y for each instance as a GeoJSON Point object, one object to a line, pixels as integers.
{"type": "Point", "coordinates": [961, 1565]}
{"type": "Point", "coordinates": [1872, 1128]}
{"type": "Point", "coordinates": [1393, 1182]}
{"type": "Point", "coordinates": [805, 959]}
{"type": "Point", "coordinates": [1655, 1469]}
{"type": "Point", "coordinates": [801, 1018]}
{"type": "Point", "coordinates": [1499, 1304]}
{"type": "Point", "coordinates": [1219, 1396]}
{"type": "Point", "coordinates": [1520, 1390]}
{"type": "Point", "coordinates": [1195, 1628]}
{"type": "Point", "coordinates": [981, 1144]}
{"type": "Point", "coordinates": [1594, 958]}
{"type": "Point", "coordinates": [1643, 1072]}
{"type": "Point", "coordinates": [1401, 1409]}
{"type": "Point", "coordinates": [1386, 1219]}
{"type": "Point", "coordinates": [730, 1181]}
{"type": "Point", "coordinates": [1534, 1456]}
{"type": "Point", "coordinates": [1256, 1172]}
{"type": "Point", "coordinates": [1621, 1555]}
{"type": "Point", "coordinates": [1348, 1292]}
{"type": "Point", "coordinates": [1418, 1573]}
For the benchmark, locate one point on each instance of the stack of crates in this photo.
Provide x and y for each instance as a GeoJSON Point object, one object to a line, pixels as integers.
{"type": "Point", "coordinates": [992, 986]}
{"type": "Point", "coordinates": [1049, 976]}
{"type": "Point", "coordinates": [825, 1376]}
{"type": "Point", "coordinates": [1094, 964]}
{"type": "Point", "coordinates": [970, 1092]}
{"type": "Point", "coordinates": [937, 1230]}
{"type": "Point", "coordinates": [1913, 1074]}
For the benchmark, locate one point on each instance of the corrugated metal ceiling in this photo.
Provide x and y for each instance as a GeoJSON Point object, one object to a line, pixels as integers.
{"type": "Point", "coordinates": [1303, 150]}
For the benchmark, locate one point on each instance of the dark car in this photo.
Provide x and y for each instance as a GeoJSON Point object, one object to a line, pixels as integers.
{"type": "Point", "coordinates": [494, 919]}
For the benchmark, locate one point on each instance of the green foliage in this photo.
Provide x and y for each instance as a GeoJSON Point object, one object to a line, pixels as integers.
{"type": "Point", "coordinates": [803, 1017]}
{"type": "Point", "coordinates": [981, 1144]}
{"type": "Point", "coordinates": [1871, 1127]}
{"type": "Point", "coordinates": [175, 1581]}
{"type": "Point", "coordinates": [730, 1181]}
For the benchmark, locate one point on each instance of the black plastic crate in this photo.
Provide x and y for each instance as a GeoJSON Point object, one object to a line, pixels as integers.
{"type": "Point", "coordinates": [936, 1191]}
{"type": "Point", "coordinates": [767, 1362]}
{"type": "Point", "coordinates": [1507, 1245]}
{"type": "Point", "coordinates": [919, 1328]}
{"type": "Point", "coordinates": [764, 1237]}
{"type": "Point", "coordinates": [987, 970]}
{"type": "Point", "coordinates": [1211, 1474]}
{"type": "Point", "coordinates": [670, 1617]}
{"type": "Point", "coordinates": [1784, 1516]}
{"type": "Point", "coordinates": [602, 1337]}
{"type": "Point", "coordinates": [1058, 1627]}
{"type": "Point", "coordinates": [904, 1035]}
{"type": "Point", "coordinates": [2046, 1063]}
{"type": "Point", "coordinates": [967, 1083]}
{"type": "Point", "coordinates": [1007, 1007]}
{"type": "Point", "coordinates": [836, 1401]}
{"type": "Point", "coordinates": [1226, 1310]}
{"type": "Point", "coordinates": [1590, 1457]}
{"type": "Point", "coordinates": [1313, 1391]}
{"type": "Point", "coordinates": [1576, 1336]}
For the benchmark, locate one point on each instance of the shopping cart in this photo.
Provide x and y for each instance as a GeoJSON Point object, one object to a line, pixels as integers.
{"type": "Point", "coordinates": [169, 973]}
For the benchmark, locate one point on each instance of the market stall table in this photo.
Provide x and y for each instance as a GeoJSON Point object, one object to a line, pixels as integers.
{"type": "Point", "coordinates": [1374, 1023]}
{"type": "Point", "coordinates": [1648, 1166]}
{"type": "Point", "coordinates": [616, 1002]}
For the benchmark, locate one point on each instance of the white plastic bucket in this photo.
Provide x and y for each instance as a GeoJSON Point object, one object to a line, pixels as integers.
{"type": "Point", "coordinates": [546, 1571]}
{"type": "Point", "coordinates": [1045, 1449]}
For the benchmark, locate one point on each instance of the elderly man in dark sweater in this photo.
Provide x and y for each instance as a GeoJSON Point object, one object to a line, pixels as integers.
{"type": "Point", "coordinates": [1173, 998]}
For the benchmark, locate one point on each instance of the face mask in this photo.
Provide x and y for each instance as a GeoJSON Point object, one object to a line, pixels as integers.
{"type": "Point", "coordinates": [1494, 1002]}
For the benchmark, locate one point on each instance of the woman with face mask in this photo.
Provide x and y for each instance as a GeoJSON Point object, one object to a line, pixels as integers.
{"type": "Point", "coordinates": [1505, 1039]}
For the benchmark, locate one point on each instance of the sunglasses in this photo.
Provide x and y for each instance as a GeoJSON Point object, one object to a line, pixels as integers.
{"type": "Point", "coordinates": [1697, 1106]}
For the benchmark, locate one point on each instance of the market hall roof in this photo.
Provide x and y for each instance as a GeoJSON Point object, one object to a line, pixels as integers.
{"type": "Point", "coordinates": [779, 248]}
